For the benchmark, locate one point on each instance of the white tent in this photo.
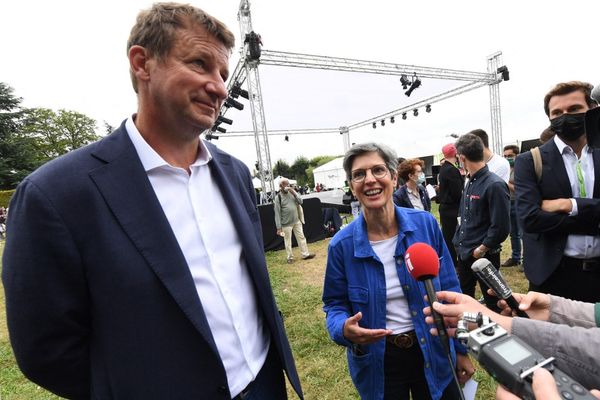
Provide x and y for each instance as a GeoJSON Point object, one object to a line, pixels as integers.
{"type": "Point", "coordinates": [279, 178]}
{"type": "Point", "coordinates": [331, 174]}
{"type": "Point", "coordinates": [257, 183]}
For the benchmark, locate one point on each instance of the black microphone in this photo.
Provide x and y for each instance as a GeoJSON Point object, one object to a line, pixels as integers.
{"type": "Point", "coordinates": [485, 271]}
{"type": "Point", "coordinates": [423, 264]}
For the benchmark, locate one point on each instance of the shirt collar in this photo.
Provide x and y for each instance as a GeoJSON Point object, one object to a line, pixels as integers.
{"type": "Point", "coordinates": [562, 146]}
{"type": "Point", "coordinates": [150, 158]}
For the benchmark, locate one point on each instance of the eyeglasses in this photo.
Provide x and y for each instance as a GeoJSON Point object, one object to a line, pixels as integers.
{"type": "Point", "coordinates": [378, 171]}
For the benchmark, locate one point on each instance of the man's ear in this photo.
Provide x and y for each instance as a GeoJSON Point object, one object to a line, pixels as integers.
{"type": "Point", "coordinates": [139, 63]}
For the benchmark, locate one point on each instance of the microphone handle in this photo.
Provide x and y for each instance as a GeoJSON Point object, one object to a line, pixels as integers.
{"type": "Point", "coordinates": [437, 318]}
{"type": "Point", "coordinates": [514, 305]}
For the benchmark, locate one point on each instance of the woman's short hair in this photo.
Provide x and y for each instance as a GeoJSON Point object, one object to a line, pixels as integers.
{"type": "Point", "coordinates": [385, 152]}
{"type": "Point", "coordinates": [407, 167]}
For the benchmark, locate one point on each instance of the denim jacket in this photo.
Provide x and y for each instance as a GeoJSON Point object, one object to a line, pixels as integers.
{"type": "Point", "coordinates": [355, 281]}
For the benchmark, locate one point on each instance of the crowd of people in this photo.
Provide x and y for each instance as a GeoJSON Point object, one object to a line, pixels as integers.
{"type": "Point", "coordinates": [135, 267]}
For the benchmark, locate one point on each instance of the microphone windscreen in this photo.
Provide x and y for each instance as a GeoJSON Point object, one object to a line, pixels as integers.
{"type": "Point", "coordinates": [422, 261]}
{"type": "Point", "coordinates": [480, 264]}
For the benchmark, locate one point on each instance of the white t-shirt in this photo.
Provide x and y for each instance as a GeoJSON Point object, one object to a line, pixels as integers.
{"type": "Point", "coordinates": [397, 313]}
{"type": "Point", "coordinates": [500, 166]}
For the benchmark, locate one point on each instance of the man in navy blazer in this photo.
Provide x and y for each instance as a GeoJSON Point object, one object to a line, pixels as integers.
{"type": "Point", "coordinates": [134, 268]}
{"type": "Point", "coordinates": [560, 213]}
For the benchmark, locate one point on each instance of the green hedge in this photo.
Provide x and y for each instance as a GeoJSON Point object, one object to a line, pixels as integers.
{"type": "Point", "coordinates": [5, 196]}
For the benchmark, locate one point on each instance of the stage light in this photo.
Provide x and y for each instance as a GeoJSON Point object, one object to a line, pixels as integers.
{"type": "Point", "coordinates": [229, 102]}
{"type": "Point", "coordinates": [504, 71]}
{"type": "Point", "coordinates": [222, 119]}
{"type": "Point", "coordinates": [416, 83]}
{"type": "Point", "coordinates": [374, 125]}
{"type": "Point", "coordinates": [218, 129]}
{"type": "Point", "coordinates": [428, 108]}
{"type": "Point", "coordinates": [236, 91]}
{"type": "Point", "coordinates": [392, 120]}
{"type": "Point", "coordinates": [286, 138]}
{"type": "Point", "coordinates": [404, 81]}
{"type": "Point", "coordinates": [210, 136]}
{"type": "Point", "coordinates": [403, 115]}
{"type": "Point", "coordinates": [416, 112]}
{"type": "Point", "coordinates": [383, 122]}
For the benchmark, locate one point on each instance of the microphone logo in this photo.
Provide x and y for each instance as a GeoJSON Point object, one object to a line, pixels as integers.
{"type": "Point", "coordinates": [408, 263]}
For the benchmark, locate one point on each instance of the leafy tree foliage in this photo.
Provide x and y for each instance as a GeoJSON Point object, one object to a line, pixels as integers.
{"type": "Point", "coordinates": [58, 133]}
{"type": "Point", "coordinates": [30, 137]}
{"type": "Point", "coordinates": [298, 169]}
{"type": "Point", "coordinates": [282, 168]}
{"type": "Point", "coordinates": [17, 153]}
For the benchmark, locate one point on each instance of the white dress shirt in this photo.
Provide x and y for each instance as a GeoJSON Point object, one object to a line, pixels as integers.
{"type": "Point", "coordinates": [202, 224]}
{"type": "Point", "coordinates": [579, 246]}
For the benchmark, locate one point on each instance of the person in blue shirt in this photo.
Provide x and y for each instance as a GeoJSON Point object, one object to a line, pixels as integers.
{"type": "Point", "coordinates": [372, 305]}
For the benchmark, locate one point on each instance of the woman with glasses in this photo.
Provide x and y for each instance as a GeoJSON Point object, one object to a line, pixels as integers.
{"type": "Point", "coordinates": [373, 306]}
{"type": "Point", "coordinates": [412, 194]}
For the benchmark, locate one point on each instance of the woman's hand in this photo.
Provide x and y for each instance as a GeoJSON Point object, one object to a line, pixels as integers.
{"type": "Point", "coordinates": [464, 368]}
{"type": "Point", "coordinates": [354, 333]}
{"type": "Point", "coordinates": [536, 305]}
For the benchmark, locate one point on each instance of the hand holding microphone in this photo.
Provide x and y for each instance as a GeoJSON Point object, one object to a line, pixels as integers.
{"type": "Point", "coordinates": [485, 271]}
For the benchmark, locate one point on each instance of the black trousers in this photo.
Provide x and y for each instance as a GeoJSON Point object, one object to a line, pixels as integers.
{"type": "Point", "coordinates": [405, 376]}
{"type": "Point", "coordinates": [448, 215]}
{"type": "Point", "coordinates": [573, 280]}
{"type": "Point", "coordinates": [468, 279]}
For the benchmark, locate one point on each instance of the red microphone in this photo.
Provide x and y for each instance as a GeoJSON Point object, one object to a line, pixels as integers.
{"type": "Point", "coordinates": [423, 264]}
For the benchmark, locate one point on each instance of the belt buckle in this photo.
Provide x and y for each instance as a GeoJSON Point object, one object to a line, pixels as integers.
{"type": "Point", "coordinates": [403, 340]}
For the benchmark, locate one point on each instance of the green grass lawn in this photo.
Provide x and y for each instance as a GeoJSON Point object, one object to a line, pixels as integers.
{"type": "Point", "coordinates": [298, 287]}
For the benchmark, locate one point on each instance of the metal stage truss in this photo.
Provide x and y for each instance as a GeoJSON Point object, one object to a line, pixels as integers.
{"type": "Point", "coordinates": [246, 73]}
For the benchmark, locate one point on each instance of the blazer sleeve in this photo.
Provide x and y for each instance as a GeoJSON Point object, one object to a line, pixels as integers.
{"type": "Point", "coordinates": [47, 301]}
{"type": "Point", "coordinates": [335, 295]}
{"type": "Point", "coordinates": [529, 198]}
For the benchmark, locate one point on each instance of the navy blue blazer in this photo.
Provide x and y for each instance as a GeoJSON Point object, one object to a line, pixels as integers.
{"type": "Point", "coordinates": [545, 234]}
{"type": "Point", "coordinates": [401, 198]}
{"type": "Point", "coordinates": [100, 301]}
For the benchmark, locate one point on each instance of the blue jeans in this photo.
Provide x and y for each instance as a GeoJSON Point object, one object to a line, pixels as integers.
{"type": "Point", "coordinates": [515, 233]}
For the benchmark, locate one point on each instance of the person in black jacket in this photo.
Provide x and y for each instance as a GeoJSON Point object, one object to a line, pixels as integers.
{"type": "Point", "coordinates": [450, 189]}
{"type": "Point", "coordinates": [412, 194]}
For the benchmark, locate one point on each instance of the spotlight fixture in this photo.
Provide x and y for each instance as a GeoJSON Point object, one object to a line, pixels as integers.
{"type": "Point", "coordinates": [403, 115]}
{"type": "Point", "coordinates": [218, 129]}
{"type": "Point", "coordinates": [383, 122]}
{"type": "Point", "coordinates": [404, 81]}
{"type": "Point", "coordinates": [392, 119]}
{"type": "Point", "coordinates": [416, 83]}
{"type": "Point", "coordinates": [286, 138]}
{"type": "Point", "coordinates": [210, 136]}
{"type": "Point", "coordinates": [236, 91]}
{"type": "Point", "coordinates": [428, 108]}
{"type": "Point", "coordinates": [229, 102]}
{"type": "Point", "coordinates": [416, 112]}
{"type": "Point", "coordinates": [504, 71]}
{"type": "Point", "coordinates": [374, 125]}
{"type": "Point", "coordinates": [222, 119]}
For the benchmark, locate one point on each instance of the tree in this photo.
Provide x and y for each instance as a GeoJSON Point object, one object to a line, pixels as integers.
{"type": "Point", "coordinates": [298, 169]}
{"type": "Point", "coordinates": [282, 168]}
{"type": "Point", "coordinates": [58, 133]}
{"type": "Point", "coordinates": [17, 153]}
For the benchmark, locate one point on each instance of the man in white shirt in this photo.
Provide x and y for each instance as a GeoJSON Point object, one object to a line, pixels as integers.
{"type": "Point", "coordinates": [135, 266]}
{"type": "Point", "coordinates": [495, 163]}
{"type": "Point", "coordinates": [560, 211]}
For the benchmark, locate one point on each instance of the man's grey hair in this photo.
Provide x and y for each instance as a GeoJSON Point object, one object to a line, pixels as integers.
{"type": "Point", "coordinates": [389, 157]}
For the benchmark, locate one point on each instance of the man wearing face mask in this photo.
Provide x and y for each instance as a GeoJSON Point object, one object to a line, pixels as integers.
{"type": "Point", "coordinates": [560, 214]}
{"type": "Point", "coordinates": [412, 194]}
{"type": "Point", "coordinates": [510, 154]}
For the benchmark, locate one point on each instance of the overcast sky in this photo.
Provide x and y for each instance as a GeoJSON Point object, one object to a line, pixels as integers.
{"type": "Point", "coordinates": [71, 54]}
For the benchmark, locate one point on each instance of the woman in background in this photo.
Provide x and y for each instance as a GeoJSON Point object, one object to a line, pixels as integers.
{"type": "Point", "coordinates": [412, 194]}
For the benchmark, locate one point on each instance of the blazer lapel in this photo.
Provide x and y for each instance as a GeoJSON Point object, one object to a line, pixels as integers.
{"type": "Point", "coordinates": [554, 168]}
{"type": "Point", "coordinates": [129, 194]}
